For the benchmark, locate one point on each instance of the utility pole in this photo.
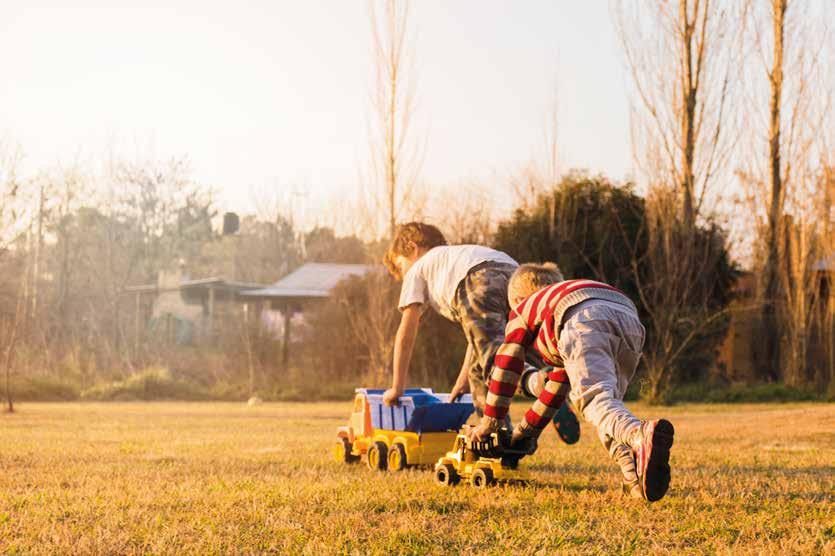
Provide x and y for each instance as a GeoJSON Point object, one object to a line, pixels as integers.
{"type": "Point", "coordinates": [36, 272]}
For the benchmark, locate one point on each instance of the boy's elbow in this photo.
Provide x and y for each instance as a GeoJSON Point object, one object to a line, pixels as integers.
{"type": "Point", "coordinates": [411, 315]}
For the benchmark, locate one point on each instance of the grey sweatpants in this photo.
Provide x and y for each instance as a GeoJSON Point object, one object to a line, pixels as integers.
{"type": "Point", "coordinates": [601, 344]}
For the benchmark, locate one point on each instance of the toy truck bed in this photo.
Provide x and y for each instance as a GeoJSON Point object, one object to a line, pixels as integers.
{"type": "Point", "coordinates": [416, 432]}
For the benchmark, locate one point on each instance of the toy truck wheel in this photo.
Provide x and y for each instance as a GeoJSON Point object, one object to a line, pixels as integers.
{"type": "Point", "coordinates": [342, 452]}
{"type": "Point", "coordinates": [446, 475]}
{"type": "Point", "coordinates": [397, 458]}
{"type": "Point", "coordinates": [482, 478]}
{"type": "Point", "coordinates": [378, 456]}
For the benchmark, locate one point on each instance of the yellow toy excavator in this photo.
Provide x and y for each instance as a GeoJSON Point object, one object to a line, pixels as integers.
{"type": "Point", "coordinates": [483, 463]}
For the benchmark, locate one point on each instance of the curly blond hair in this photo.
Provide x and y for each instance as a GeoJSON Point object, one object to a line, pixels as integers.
{"type": "Point", "coordinates": [531, 277]}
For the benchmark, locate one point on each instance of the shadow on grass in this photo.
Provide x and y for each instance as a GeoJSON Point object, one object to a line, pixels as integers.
{"type": "Point", "coordinates": [568, 486]}
{"type": "Point", "coordinates": [570, 468]}
{"type": "Point", "coordinates": [768, 470]}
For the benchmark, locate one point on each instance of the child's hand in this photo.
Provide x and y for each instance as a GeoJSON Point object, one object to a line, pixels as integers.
{"type": "Point", "coordinates": [485, 428]}
{"type": "Point", "coordinates": [458, 390]}
{"type": "Point", "coordinates": [517, 435]}
{"type": "Point", "coordinates": [522, 440]}
{"type": "Point", "coordinates": [391, 397]}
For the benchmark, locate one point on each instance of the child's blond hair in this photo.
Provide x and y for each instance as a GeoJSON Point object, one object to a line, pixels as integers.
{"type": "Point", "coordinates": [531, 277]}
{"type": "Point", "coordinates": [407, 238]}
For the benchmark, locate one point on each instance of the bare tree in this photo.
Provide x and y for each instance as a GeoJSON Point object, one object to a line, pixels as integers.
{"type": "Point", "coordinates": [681, 60]}
{"type": "Point", "coordinates": [465, 211]}
{"type": "Point", "coordinates": [675, 281]}
{"type": "Point", "coordinates": [14, 224]}
{"type": "Point", "coordinates": [396, 152]}
{"type": "Point", "coordinates": [542, 173]}
{"type": "Point", "coordinates": [13, 220]}
{"type": "Point", "coordinates": [12, 328]}
{"type": "Point", "coordinates": [790, 46]}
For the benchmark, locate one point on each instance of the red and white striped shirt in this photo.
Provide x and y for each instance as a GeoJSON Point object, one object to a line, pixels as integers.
{"type": "Point", "coordinates": [536, 323]}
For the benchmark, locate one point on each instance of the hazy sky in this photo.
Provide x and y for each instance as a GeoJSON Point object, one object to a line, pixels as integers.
{"type": "Point", "coordinates": [268, 93]}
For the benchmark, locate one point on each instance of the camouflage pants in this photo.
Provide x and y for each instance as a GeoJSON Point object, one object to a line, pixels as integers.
{"type": "Point", "coordinates": [481, 307]}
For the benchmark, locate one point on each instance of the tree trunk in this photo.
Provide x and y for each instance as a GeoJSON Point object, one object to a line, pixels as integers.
{"type": "Point", "coordinates": [688, 113]}
{"type": "Point", "coordinates": [391, 158]}
{"type": "Point", "coordinates": [36, 266]}
{"type": "Point", "coordinates": [772, 290]}
{"type": "Point", "coordinates": [9, 400]}
{"type": "Point", "coordinates": [7, 359]}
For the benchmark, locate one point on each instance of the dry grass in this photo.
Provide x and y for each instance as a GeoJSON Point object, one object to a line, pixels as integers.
{"type": "Point", "coordinates": [221, 478]}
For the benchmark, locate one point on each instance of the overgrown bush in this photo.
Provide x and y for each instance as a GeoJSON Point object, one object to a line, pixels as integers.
{"type": "Point", "coordinates": [154, 383]}
{"type": "Point", "coordinates": [44, 389]}
{"type": "Point", "coordinates": [589, 226]}
{"type": "Point", "coordinates": [679, 278]}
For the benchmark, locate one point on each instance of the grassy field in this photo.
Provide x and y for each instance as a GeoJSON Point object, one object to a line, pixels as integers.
{"type": "Point", "coordinates": [224, 478]}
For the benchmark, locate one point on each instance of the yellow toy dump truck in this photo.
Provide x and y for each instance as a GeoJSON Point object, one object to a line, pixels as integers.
{"type": "Point", "coordinates": [419, 430]}
{"type": "Point", "coordinates": [482, 463]}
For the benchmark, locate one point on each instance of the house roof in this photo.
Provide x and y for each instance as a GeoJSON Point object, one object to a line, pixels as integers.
{"type": "Point", "coordinates": [311, 280]}
{"type": "Point", "coordinates": [217, 283]}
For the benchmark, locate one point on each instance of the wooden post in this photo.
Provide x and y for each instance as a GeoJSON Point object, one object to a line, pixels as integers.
{"type": "Point", "coordinates": [137, 323]}
{"type": "Point", "coordinates": [285, 356]}
{"type": "Point", "coordinates": [210, 325]}
{"type": "Point", "coordinates": [259, 308]}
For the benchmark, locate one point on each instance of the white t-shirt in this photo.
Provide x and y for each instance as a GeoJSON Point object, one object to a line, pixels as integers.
{"type": "Point", "coordinates": [435, 276]}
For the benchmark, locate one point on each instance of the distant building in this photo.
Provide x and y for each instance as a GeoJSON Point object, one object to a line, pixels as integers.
{"type": "Point", "coordinates": [181, 310]}
{"type": "Point", "coordinates": [309, 282]}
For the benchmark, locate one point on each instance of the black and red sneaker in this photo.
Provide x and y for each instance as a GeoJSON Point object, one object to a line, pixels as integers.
{"type": "Point", "coordinates": [652, 457]}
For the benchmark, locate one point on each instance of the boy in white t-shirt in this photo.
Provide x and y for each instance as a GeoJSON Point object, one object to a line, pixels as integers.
{"type": "Point", "coordinates": [466, 284]}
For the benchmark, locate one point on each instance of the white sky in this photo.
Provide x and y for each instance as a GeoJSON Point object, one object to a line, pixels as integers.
{"type": "Point", "coordinates": [269, 93]}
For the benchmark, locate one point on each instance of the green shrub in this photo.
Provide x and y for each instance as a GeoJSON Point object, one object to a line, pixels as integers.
{"type": "Point", "coordinates": [43, 389]}
{"type": "Point", "coordinates": [229, 391]}
{"type": "Point", "coordinates": [314, 390]}
{"type": "Point", "coordinates": [150, 384]}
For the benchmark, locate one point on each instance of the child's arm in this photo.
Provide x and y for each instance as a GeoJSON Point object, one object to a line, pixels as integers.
{"type": "Point", "coordinates": [462, 384]}
{"type": "Point", "coordinates": [508, 365]}
{"type": "Point", "coordinates": [542, 411]}
{"type": "Point", "coordinates": [404, 342]}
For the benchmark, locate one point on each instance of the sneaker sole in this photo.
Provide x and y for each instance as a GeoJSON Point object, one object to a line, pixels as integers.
{"type": "Point", "coordinates": [657, 475]}
{"type": "Point", "coordinates": [566, 425]}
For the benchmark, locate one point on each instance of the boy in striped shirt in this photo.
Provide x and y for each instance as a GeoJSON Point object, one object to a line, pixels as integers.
{"type": "Point", "coordinates": [590, 333]}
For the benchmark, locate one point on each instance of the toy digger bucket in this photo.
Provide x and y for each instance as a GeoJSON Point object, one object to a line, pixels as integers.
{"type": "Point", "coordinates": [487, 448]}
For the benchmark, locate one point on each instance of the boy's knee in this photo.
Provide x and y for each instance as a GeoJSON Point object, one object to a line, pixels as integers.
{"type": "Point", "coordinates": [589, 399]}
